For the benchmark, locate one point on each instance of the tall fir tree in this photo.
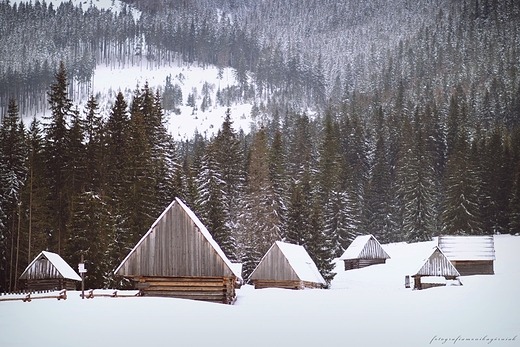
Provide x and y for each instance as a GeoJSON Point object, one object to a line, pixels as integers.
{"type": "Point", "coordinates": [13, 175]}
{"type": "Point", "coordinates": [57, 158]}
{"type": "Point", "coordinates": [461, 214]}
{"type": "Point", "coordinates": [259, 221]}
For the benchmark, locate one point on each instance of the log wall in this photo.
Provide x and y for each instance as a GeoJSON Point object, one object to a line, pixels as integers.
{"type": "Point", "coordinates": [34, 285]}
{"type": "Point", "coordinates": [212, 289]}
{"type": "Point", "coordinates": [351, 264]}
{"type": "Point", "coordinates": [287, 284]}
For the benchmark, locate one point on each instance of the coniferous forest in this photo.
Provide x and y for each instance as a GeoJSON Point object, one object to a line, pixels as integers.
{"type": "Point", "coordinates": [396, 118]}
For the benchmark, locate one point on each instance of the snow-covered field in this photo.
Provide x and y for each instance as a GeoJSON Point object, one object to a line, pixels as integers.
{"type": "Point", "coordinates": [365, 307]}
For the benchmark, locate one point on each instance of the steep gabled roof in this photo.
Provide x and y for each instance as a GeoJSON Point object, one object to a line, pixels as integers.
{"type": "Point", "coordinates": [49, 265]}
{"type": "Point", "coordinates": [285, 261]}
{"type": "Point", "coordinates": [437, 264]}
{"type": "Point", "coordinates": [365, 247]}
{"type": "Point", "coordinates": [177, 244]}
{"type": "Point", "coordinates": [468, 247]}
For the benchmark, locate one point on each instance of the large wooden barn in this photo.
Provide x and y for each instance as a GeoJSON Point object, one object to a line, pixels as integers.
{"type": "Point", "coordinates": [179, 258]}
{"type": "Point", "coordinates": [365, 250]}
{"type": "Point", "coordinates": [286, 266]}
{"type": "Point", "coordinates": [48, 271]}
{"type": "Point", "coordinates": [435, 266]}
{"type": "Point", "coordinates": [471, 255]}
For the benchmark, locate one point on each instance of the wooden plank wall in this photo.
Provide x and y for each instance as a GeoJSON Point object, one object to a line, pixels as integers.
{"type": "Point", "coordinates": [351, 264]}
{"type": "Point", "coordinates": [42, 269]}
{"type": "Point", "coordinates": [438, 265]}
{"type": "Point", "coordinates": [261, 284]}
{"type": "Point", "coordinates": [50, 284]}
{"type": "Point", "coordinates": [213, 289]}
{"type": "Point", "coordinates": [478, 267]}
{"type": "Point", "coordinates": [372, 250]}
{"type": "Point", "coordinates": [274, 266]}
{"type": "Point", "coordinates": [175, 248]}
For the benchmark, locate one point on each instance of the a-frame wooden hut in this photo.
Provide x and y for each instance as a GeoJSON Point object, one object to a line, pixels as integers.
{"type": "Point", "coordinates": [435, 265]}
{"type": "Point", "coordinates": [48, 271]}
{"type": "Point", "coordinates": [364, 251]}
{"type": "Point", "coordinates": [471, 255]}
{"type": "Point", "coordinates": [179, 258]}
{"type": "Point", "coordinates": [286, 266]}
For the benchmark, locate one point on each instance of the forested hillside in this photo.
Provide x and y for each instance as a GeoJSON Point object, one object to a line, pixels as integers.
{"type": "Point", "coordinates": [399, 119]}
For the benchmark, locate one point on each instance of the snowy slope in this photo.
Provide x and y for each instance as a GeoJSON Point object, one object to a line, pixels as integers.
{"type": "Point", "coordinates": [365, 307]}
{"type": "Point", "coordinates": [108, 81]}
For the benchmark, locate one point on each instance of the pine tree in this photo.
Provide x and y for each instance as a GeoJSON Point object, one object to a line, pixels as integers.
{"type": "Point", "coordinates": [320, 244]}
{"type": "Point", "coordinates": [416, 188]}
{"type": "Point", "coordinates": [35, 192]}
{"type": "Point", "coordinates": [57, 158]}
{"type": "Point", "coordinates": [90, 220]}
{"type": "Point", "coordinates": [377, 208]}
{"type": "Point", "coordinates": [13, 173]}
{"type": "Point", "coordinates": [461, 215]}
{"type": "Point", "coordinates": [259, 221]}
{"type": "Point", "coordinates": [211, 201]}
{"type": "Point", "coordinates": [95, 156]}
{"type": "Point", "coordinates": [230, 159]}
{"type": "Point", "coordinates": [296, 226]}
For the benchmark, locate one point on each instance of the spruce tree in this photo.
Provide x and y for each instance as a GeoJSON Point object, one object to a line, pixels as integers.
{"type": "Point", "coordinates": [57, 158]}
{"type": "Point", "coordinates": [13, 174]}
{"type": "Point", "coordinates": [461, 215]}
{"type": "Point", "coordinates": [320, 244]}
{"type": "Point", "coordinates": [211, 201]}
{"type": "Point", "coordinates": [259, 221]}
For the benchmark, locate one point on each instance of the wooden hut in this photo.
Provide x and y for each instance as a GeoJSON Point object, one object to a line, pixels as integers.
{"type": "Point", "coordinates": [471, 255]}
{"type": "Point", "coordinates": [48, 271]}
{"type": "Point", "coordinates": [179, 258]}
{"type": "Point", "coordinates": [365, 250]}
{"type": "Point", "coordinates": [436, 266]}
{"type": "Point", "coordinates": [286, 266]}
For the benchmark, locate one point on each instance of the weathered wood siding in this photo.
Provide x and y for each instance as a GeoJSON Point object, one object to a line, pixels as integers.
{"type": "Point", "coordinates": [213, 289]}
{"type": "Point", "coordinates": [41, 269]}
{"type": "Point", "coordinates": [261, 284]}
{"type": "Point", "coordinates": [475, 267]}
{"type": "Point", "coordinates": [174, 247]}
{"type": "Point", "coordinates": [274, 266]}
{"type": "Point", "coordinates": [373, 250]}
{"type": "Point", "coordinates": [34, 285]}
{"type": "Point", "coordinates": [351, 264]}
{"type": "Point", "coordinates": [438, 265]}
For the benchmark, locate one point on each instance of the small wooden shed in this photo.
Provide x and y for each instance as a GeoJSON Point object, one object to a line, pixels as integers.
{"type": "Point", "coordinates": [286, 266]}
{"type": "Point", "coordinates": [471, 255]}
{"type": "Point", "coordinates": [48, 271]}
{"type": "Point", "coordinates": [364, 251]}
{"type": "Point", "coordinates": [179, 258]}
{"type": "Point", "coordinates": [435, 266]}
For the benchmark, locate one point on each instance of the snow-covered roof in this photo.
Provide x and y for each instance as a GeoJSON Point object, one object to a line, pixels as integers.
{"type": "Point", "coordinates": [301, 262]}
{"type": "Point", "coordinates": [63, 269]}
{"type": "Point", "coordinates": [365, 247]}
{"type": "Point", "coordinates": [204, 231]}
{"type": "Point", "coordinates": [468, 247]}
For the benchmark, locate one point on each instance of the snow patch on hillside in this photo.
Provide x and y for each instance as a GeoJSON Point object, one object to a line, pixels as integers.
{"type": "Point", "coordinates": [108, 81]}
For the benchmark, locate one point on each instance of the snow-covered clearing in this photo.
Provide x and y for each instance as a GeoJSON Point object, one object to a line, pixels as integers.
{"type": "Point", "coordinates": [365, 307]}
{"type": "Point", "coordinates": [108, 81]}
